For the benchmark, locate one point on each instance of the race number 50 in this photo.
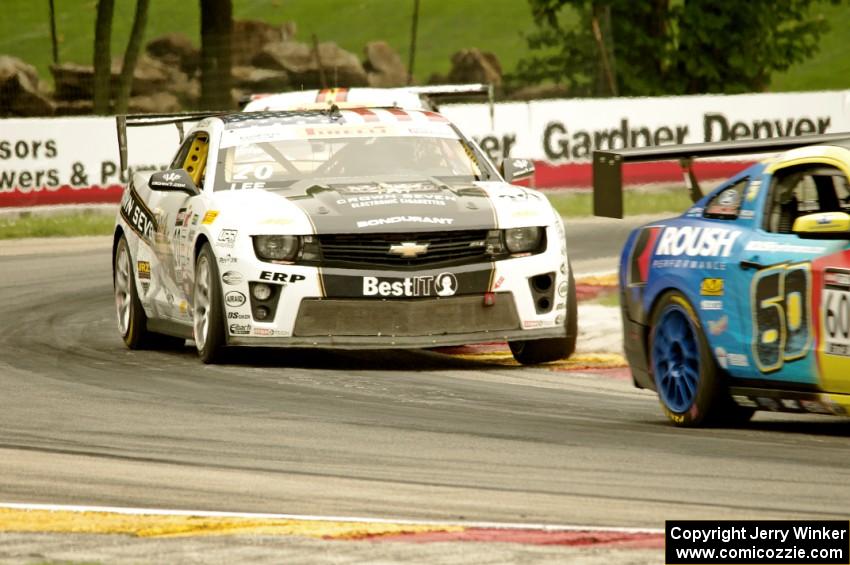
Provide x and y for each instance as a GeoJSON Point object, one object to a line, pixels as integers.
{"type": "Point", "coordinates": [781, 315]}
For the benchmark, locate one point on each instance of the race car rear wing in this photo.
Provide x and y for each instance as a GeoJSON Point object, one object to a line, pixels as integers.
{"type": "Point", "coordinates": [608, 165]}
{"type": "Point", "coordinates": [137, 120]}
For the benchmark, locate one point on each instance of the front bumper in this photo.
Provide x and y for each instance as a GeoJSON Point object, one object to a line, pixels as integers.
{"type": "Point", "coordinates": [347, 308]}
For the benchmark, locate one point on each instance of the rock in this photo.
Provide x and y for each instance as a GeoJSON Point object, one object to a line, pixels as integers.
{"type": "Point", "coordinates": [538, 91]}
{"type": "Point", "coordinates": [72, 81]}
{"type": "Point", "coordinates": [474, 65]}
{"type": "Point", "coordinates": [341, 67]}
{"type": "Point", "coordinates": [158, 103]}
{"type": "Point", "coordinates": [383, 65]}
{"type": "Point", "coordinates": [151, 76]}
{"type": "Point", "coordinates": [74, 107]}
{"type": "Point", "coordinates": [249, 39]}
{"type": "Point", "coordinates": [20, 92]}
{"type": "Point", "coordinates": [252, 79]}
{"type": "Point", "coordinates": [175, 49]}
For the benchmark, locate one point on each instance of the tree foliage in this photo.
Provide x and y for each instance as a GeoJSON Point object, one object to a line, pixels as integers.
{"type": "Point", "coordinates": [668, 46]}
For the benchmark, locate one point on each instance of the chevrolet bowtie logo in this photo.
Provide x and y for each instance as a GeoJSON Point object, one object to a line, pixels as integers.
{"type": "Point", "coordinates": [409, 249]}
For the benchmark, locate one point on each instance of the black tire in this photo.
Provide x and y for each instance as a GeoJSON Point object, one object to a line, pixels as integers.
{"type": "Point", "coordinates": [132, 321]}
{"type": "Point", "coordinates": [133, 329]}
{"type": "Point", "coordinates": [207, 308]}
{"type": "Point", "coordinates": [535, 351]}
{"type": "Point", "coordinates": [691, 388]}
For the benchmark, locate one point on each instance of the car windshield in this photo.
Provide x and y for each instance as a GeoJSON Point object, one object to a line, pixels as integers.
{"type": "Point", "coordinates": [281, 163]}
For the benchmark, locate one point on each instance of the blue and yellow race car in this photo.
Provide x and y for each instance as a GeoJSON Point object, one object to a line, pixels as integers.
{"type": "Point", "coordinates": [742, 303]}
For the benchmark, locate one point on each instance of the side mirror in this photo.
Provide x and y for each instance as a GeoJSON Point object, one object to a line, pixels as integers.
{"type": "Point", "coordinates": [175, 180]}
{"type": "Point", "coordinates": [825, 225]}
{"type": "Point", "coordinates": [517, 169]}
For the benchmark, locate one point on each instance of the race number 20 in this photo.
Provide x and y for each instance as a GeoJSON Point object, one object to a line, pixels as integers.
{"type": "Point", "coordinates": [781, 315]}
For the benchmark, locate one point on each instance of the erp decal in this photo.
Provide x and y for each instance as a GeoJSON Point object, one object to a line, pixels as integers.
{"type": "Point", "coordinates": [781, 304]}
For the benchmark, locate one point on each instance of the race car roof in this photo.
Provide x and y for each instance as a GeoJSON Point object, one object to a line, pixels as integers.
{"type": "Point", "coordinates": [249, 127]}
{"type": "Point", "coordinates": [332, 116]}
{"type": "Point", "coordinates": [410, 97]}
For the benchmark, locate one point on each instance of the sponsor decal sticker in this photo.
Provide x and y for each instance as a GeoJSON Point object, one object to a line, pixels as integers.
{"type": "Point", "coordinates": [237, 316]}
{"type": "Point", "coordinates": [269, 332]}
{"type": "Point", "coordinates": [227, 238]}
{"type": "Point", "coordinates": [210, 217]}
{"type": "Point", "coordinates": [711, 287]}
{"type": "Point", "coordinates": [688, 264]}
{"type": "Point", "coordinates": [767, 403]}
{"type": "Point", "coordinates": [530, 324]}
{"type": "Point", "coordinates": [138, 216]}
{"type": "Point", "coordinates": [696, 242]}
{"type": "Point", "coordinates": [721, 356]}
{"type": "Point", "coordinates": [814, 407]}
{"type": "Point", "coordinates": [444, 284]}
{"type": "Point", "coordinates": [184, 306]}
{"type": "Point", "coordinates": [234, 298]}
{"type": "Point", "coordinates": [227, 260]}
{"type": "Point", "coordinates": [498, 283]}
{"type": "Point", "coordinates": [144, 268]}
{"type": "Point", "coordinates": [783, 247]}
{"type": "Point", "coordinates": [281, 277]}
{"type": "Point", "coordinates": [744, 401]}
{"type": "Point", "coordinates": [717, 327]}
{"type": "Point", "coordinates": [836, 312]}
{"type": "Point", "coordinates": [232, 277]}
{"type": "Point", "coordinates": [405, 219]}
{"type": "Point", "coordinates": [738, 360]}
{"type": "Point", "coordinates": [753, 190]}
{"type": "Point", "coordinates": [277, 221]}
{"type": "Point", "coordinates": [711, 305]}
{"type": "Point", "coordinates": [240, 329]}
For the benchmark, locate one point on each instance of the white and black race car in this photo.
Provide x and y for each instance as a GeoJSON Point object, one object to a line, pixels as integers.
{"type": "Point", "coordinates": [357, 228]}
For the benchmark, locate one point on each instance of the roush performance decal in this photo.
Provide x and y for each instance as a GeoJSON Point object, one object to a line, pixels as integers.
{"type": "Point", "coordinates": [139, 217]}
{"type": "Point", "coordinates": [431, 284]}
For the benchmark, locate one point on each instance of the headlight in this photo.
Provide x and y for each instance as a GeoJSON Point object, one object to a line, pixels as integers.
{"type": "Point", "coordinates": [276, 247]}
{"type": "Point", "coordinates": [521, 240]}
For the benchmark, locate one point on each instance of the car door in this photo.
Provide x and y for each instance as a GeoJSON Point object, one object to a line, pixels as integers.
{"type": "Point", "coordinates": [778, 276]}
{"type": "Point", "coordinates": [178, 213]}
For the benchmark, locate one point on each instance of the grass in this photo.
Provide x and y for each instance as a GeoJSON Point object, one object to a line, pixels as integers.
{"type": "Point", "coordinates": [65, 225]}
{"type": "Point", "coordinates": [611, 298]}
{"type": "Point", "coordinates": [573, 204]}
{"type": "Point", "coordinates": [569, 204]}
{"type": "Point", "coordinates": [444, 28]}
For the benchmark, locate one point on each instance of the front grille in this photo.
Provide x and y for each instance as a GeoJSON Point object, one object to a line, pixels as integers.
{"type": "Point", "coordinates": [400, 318]}
{"type": "Point", "coordinates": [444, 248]}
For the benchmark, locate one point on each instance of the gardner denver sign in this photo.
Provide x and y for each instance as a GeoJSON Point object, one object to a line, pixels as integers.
{"type": "Point", "coordinates": [562, 134]}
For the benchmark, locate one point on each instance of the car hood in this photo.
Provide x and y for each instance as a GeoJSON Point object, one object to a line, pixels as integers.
{"type": "Point", "coordinates": [394, 206]}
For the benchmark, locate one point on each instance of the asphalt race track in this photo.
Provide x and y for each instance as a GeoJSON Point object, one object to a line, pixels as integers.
{"type": "Point", "coordinates": [401, 434]}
